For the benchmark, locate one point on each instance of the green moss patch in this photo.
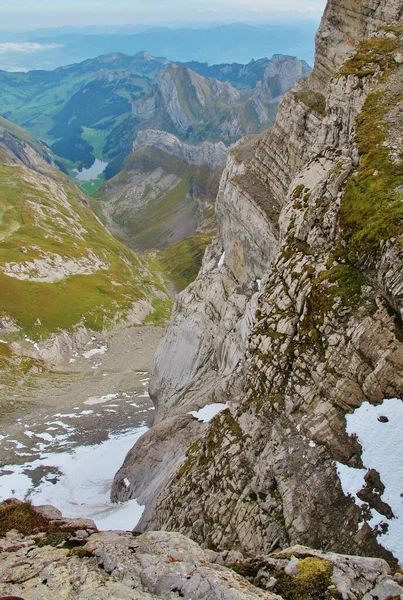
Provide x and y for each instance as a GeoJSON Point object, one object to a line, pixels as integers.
{"type": "Point", "coordinates": [314, 100]}
{"type": "Point", "coordinates": [372, 205]}
{"type": "Point", "coordinates": [312, 582]}
{"type": "Point", "coordinates": [182, 261]}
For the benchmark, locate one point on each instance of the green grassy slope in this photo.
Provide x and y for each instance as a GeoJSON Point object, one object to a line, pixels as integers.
{"type": "Point", "coordinates": [182, 260]}
{"type": "Point", "coordinates": [163, 214]}
{"type": "Point", "coordinates": [97, 280]}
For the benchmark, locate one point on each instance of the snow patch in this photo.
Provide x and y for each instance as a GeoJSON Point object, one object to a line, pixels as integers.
{"type": "Point", "coordinates": [100, 399]}
{"type": "Point", "coordinates": [95, 351]}
{"type": "Point", "coordinates": [222, 259]}
{"type": "Point", "coordinates": [208, 412]}
{"type": "Point", "coordinates": [379, 431]}
{"type": "Point", "coordinates": [84, 478]}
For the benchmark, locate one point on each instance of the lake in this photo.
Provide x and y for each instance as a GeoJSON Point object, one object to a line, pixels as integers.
{"type": "Point", "coordinates": [93, 172]}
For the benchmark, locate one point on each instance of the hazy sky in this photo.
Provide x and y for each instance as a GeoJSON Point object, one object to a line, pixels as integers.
{"type": "Point", "coordinates": [20, 14]}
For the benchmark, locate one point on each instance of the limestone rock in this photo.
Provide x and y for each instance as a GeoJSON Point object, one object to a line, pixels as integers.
{"type": "Point", "coordinates": [208, 153]}
{"type": "Point", "coordinates": [163, 565]}
{"type": "Point", "coordinates": [293, 320]}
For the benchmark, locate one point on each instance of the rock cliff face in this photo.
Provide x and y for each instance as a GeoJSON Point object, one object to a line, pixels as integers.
{"type": "Point", "coordinates": [197, 108]}
{"type": "Point", "coordinates": [295, 319]}
{"type": "Point", "coordinates": [209, 154]}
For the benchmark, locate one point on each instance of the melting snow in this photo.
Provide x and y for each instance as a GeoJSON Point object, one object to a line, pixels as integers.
{"type": "Point", "coordinates": [44, 436]}
{"type": "Point", "coordinates": [90, 353]}
{"type": "Point", "coordinates": [259, 284]}
{"type": "Point", "coordinates": [84, 478]}
{"type": "Point", "coordinates": [382, 449]}
{"type": "Point", "coordinates": [222, 259]}
{"type": "Point", "coordinates": [208, 412]}
{"type": "Point", "coordinates": [100, 399]}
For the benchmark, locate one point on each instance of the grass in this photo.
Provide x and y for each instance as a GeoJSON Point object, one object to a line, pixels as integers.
{"type": "Point", "coordinates": [181, 261]}
{"type": "Point", "coordinates": [154, 224]}
{"type": "Point", "coordinates": [162, 308]}
{"type": "Point", "coordinates": [151, 224]}
{"type": "Point", "coordinates": [372, 205]}
{"type": "Point", "coordinates": [69, 229]}
{"type": "Point", "coordinates": [22, 517]}
{"type": "Point", "coordinates": [314, 100]}
{"type": "Point", "coordinates": [93, 186]}
{"type": "Point", "coordinates": [372, 55]}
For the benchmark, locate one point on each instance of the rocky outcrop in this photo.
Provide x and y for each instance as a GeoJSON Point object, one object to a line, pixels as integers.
{"type": "Point", "coordinates": [294, 318]}
{"type": "Point", "coordinates": [209, 154]}
{"type": "Point", "coordinates": [21, 148]}
{"type": "Point", "coordinates": [280, 75]}
{"type": "Point", "coordinates": [77, 562]}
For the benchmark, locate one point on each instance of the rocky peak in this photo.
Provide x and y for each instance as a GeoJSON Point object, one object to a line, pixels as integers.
{"type": "Point", "coordinates": [208, 153]}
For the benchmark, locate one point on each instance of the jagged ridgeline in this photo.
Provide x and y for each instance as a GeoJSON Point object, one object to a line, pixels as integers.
{"type": "Point", "coordinates": [294, 323]}
{"type": "Point", "coordinates": [96, 108]}
{"type": "Point", "coordinates": [60, 269]}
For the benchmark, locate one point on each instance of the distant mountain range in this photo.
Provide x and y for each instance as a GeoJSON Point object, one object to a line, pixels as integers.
{"type": "Point", "coordinates": [158, 132]}
{"type": "Point", "coordinates": [95, 109]}
{"type": "Point", "coordinates": [213, 44]}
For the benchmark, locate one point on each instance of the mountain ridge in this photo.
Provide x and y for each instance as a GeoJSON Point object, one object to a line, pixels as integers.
{"type": "Point", "coordinates": [95, 108]}
{"type": "Point", "coordinates": [62, 273]}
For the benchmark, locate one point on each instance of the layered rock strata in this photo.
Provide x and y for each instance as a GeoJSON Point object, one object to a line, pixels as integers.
{"type": "Point", "coordinates": [295, 317]}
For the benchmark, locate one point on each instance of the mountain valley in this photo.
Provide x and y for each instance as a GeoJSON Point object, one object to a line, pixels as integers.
{"type": "Point", "coordinates": [201, 345]}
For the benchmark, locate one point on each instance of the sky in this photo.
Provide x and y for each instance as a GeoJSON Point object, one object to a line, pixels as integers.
{"type": "Point", "coordinates": [29, 14]}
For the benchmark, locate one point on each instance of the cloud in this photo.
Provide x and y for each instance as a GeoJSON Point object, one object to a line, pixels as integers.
{"type": "Point", "coordinates": [13, 69]}
{"type": "Point", "coordinates": [26, 47]}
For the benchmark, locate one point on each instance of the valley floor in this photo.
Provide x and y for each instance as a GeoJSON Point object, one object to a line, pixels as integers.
{"type": "Point", "coordinates": [71, 429]}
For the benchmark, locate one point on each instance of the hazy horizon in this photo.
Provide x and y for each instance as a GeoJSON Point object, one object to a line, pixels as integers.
{"type": "Point", "coordinates": [21, 16]}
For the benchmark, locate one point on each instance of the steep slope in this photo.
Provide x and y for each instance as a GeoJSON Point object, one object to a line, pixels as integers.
{"type": "Point", "coordinates": [294, 320]}
{"type": "Point", "coordinates": [61, 272]}
{"type": "Point", "coordinates": [19, 146]}
{"type": "Point", "coordinates": [165, 192]}
{"type": "Point", "coordinates": [196, 109]}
